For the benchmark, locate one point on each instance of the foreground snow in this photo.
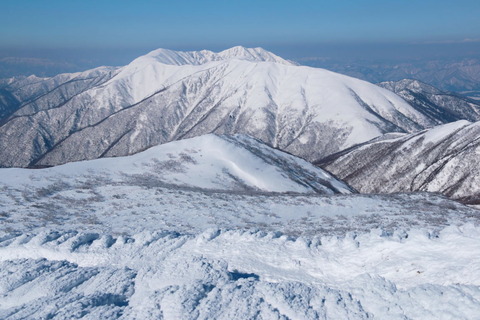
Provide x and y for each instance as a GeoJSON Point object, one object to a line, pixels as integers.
{"type": "Point", "coordinates": [241, 275]}
{"type": "Point", "coordinates": [114, 238]}
{"type": "Point", "coordinates": [97, 249]}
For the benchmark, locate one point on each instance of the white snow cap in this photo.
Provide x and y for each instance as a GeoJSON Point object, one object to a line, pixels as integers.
{"type": "Point", "coordinates": [200, 57]}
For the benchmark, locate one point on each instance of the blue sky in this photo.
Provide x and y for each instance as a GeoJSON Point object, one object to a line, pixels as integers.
{"type": "Point", "coordinates": [207, 23]}
{"type": "Point", "coordinates": [85, 33]}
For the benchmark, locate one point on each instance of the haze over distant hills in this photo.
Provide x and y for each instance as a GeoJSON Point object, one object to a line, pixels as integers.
{"type": "Point", "coordinates": [460, 75]}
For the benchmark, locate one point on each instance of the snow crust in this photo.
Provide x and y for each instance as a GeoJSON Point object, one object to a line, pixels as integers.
{"type": "Point", "coordinates": [240, 275]}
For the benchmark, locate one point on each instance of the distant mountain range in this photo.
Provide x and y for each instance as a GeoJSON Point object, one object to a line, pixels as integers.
{"type": "Point", "coordinates": [460, 75]}
{"type": "Point", "coordinates": [168, 95]}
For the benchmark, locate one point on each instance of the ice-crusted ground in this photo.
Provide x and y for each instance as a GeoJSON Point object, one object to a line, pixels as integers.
{"type": "Point", "coordinates": [125, 250]}
{"type": "Point", "coordinates": [89, 241]}
{"type": "Point", "coordinates": [241, 275]}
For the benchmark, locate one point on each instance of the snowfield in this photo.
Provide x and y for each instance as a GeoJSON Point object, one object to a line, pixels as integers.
{"type": "Point", "coordinates": [233, 163]}
{"type": "Point", "coordinates": [95, 244]}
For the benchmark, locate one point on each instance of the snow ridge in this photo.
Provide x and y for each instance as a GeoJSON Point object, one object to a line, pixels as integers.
{"type": "Point", "coordinates": [210, 162]}
{"type": "Point", "coordinates": [442, 159]}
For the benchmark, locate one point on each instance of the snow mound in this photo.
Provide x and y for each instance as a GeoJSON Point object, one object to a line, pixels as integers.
{"type": "Point", "coordinates": [231, 163]}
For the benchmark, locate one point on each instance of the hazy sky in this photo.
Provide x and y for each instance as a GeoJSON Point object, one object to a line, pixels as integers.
{"type": "Point", "coordinates": [295, 28]}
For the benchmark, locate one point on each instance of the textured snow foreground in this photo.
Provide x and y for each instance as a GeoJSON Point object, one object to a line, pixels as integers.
{"type": "Point", "coordinates": [99, 244]}
{"type": "Point", "coordinates": [241, 275]}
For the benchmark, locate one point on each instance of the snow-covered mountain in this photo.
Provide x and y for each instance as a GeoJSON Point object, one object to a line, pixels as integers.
{"type": "Point", "coordinates": [167, 95]}
{"type": "Point", "coordinates": [229, 163]}
{"type": "Point", "coordinates": [442, 159]}
{"type": "Point", "coordinates": [179, 58]}
{"type": "Point", "coordinates": [20, 91]}
{"type": "Point", "coordinates": [448, 106]}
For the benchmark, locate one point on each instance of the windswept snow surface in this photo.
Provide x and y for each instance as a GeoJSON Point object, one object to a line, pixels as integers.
{"type": "Point", "coordinates": [93, 246]}
{"type": "Point", "coordinates": [241, 275]}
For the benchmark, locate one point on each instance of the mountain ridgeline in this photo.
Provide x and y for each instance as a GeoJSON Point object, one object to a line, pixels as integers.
{"type": "Point", "coordinates": [238, 164]}
{"type": "Point", "coordinates": [440, 104]}
{"type": "Point", "coordinates": [443, 159]}
{"type": "Point", "coordinates": [168, 95]}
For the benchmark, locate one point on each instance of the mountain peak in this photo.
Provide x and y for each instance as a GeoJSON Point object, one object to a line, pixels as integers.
{"type": "Point", "coordinates": [172, 57]}
{"type": "Point", "coordinates": [251, 54]}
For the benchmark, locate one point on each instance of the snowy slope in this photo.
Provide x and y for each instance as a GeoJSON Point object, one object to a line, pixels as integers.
{"type": "Point", "coordinates": [443, 159]}
{"type": "Point", "coordinates": [44, 93]}
{"type": "Point", "coordinates": [167, 95]}
{"type": "Point", "coordinates": [449, 106]}
{"type": "Point", "coordinates": [211, 162]}
{"type": "Point", "coordinates": [95, 248]}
